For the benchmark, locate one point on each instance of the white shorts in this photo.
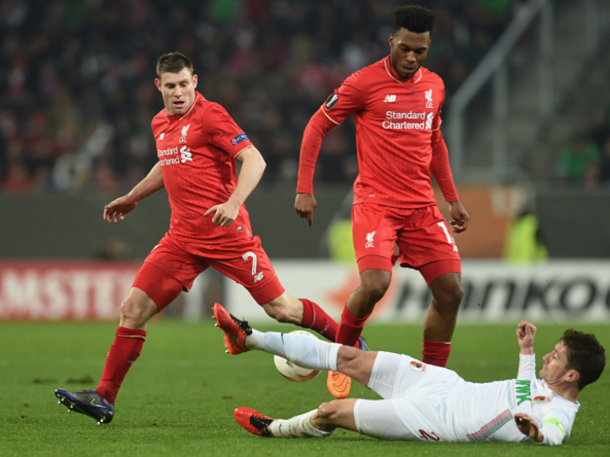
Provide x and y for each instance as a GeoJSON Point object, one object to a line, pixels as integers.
{"type": "Point", "coordinates": [414, 402]}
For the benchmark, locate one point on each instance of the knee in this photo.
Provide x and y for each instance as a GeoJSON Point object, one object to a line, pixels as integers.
{"type": "Point", "coordinates": [374, 289]}
{"type": "Point", "coordinates": [288, 311]}
{"type": "Point", "coordinates": [451, 298]}
{"type": "Point", "coordinates": [134, 313]}
{"type": "Point", "coordinates": [279, 313]}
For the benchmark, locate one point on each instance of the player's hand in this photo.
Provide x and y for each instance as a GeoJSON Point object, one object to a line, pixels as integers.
{"type": "Point", "coordinates": [116, 210]}
{"type": "Point", "coordinates": [459, 217]}
{"type": "Point", "coordinates": [526, 333]}
{"type": "Point", "coordinates": [304, 205]}
{"type": "Point", "coordinates": [224, 214]}
{"type": "Point", "coordinates": [528, 426]}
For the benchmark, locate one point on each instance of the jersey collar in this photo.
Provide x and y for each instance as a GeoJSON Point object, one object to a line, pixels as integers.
{"type": "Point", "coordinates": [390, 70]}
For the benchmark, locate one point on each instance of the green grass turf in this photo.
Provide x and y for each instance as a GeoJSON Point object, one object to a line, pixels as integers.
{"type": "Point", "coordinates": [179, 397]}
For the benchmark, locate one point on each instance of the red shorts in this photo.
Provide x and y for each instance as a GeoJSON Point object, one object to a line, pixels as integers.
{"type": "Point", "coordinates": [173, 265]}
{"type": "Point", "coordinates": [423, 238]}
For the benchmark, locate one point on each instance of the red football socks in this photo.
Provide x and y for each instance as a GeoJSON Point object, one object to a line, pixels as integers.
{"type": "Point", "coordinates": [350, 328]}
{"type": "Point", "coordinates": [436, 353]}
{"type": "Point", "coordinates": [123, 353]}
{"type": "Point", "coordinates": [316, 319]}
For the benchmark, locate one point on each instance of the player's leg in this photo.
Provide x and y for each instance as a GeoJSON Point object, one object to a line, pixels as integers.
{"type": "Point", "coordinates": [302, 312]}
{"type": "Point", "coordinates": [335, 414]}
{"type": "Point", "coordinates": [300, 426]}
{"type": "Point", "coordinates": [376, 418]}
{"type": "Point", "coordinates": [373, 236]}
{"type": "Point", "coordinates": [136, 311]}
{"type": "Point", "coordinates": [300, 349]}
{"type": "Point", "coordinates": [153, 289]}
{"type": "Point", "coordinates": [379, 419]}
{"type": "Point", "coordinates": [247, 263]}
{"type": "Point", "coordinates": [319, 423]}
{"type": "Point", "coordinates": [399, 380]}
{"type": "Point", "coordinates": [447, 294]}
{"type": "Point", "coordinates": [430, 248]}
{"type": "Point", "coordinates": [360, 304]}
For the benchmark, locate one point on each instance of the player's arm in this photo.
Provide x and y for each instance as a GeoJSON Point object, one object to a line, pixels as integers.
{"type": "Point", "coordinates": [319, 125]}
{"type": "Point", "coordinates": [253, 166]}
{"type": "Point", "coordinates": [441, 170]}
{"type": "Point", "coordinates": [552, 432]}
{"type": "Point", "coordinates": [346, 100]}
{"type": "Point", "coordinates": [526, 333]}
{"type": "Point", "coordinates": [116, 210]}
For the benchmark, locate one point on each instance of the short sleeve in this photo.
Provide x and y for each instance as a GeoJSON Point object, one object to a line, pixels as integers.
{"type": "Point", "coordinates": [223, 132]}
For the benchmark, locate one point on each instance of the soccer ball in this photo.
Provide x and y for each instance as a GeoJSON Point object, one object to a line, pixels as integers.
{"type": "Point", "coordinates": [292, 371]}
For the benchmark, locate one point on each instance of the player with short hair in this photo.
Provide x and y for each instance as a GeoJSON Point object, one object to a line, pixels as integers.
{"type": "Point", "coordinates": [197, 144]}
{"type": "Point", "coordinates": [425, 402]}
{"type": "Point", "coordinates": [396, 104]}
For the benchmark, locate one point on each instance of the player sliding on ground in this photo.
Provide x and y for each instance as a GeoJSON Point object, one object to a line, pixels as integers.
{"type": "Point", "coordinates": [425, 402]}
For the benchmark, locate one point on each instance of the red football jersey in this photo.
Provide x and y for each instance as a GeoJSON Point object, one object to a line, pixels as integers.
{"type": "Point", "coordinates": [395, 120]}
{"type": "Point", "coordinates": [197, 155]}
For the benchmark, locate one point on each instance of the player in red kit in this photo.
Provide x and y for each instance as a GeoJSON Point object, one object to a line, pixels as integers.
{"type": "Point", "coordinates": [396, 105]}
{"type": "Point", "coordinates": [197, 144]}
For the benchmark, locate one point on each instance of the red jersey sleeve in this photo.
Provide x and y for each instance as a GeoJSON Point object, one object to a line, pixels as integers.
{"type": "Point", "coordinates": [436, 124]}
{"type": "Point", "coordinates": [344, 101]}
{"type": "Point", "coordinates": [223, 132]}
{"type": "Point", "coordinates": [439, 165]}
{"type": "Point", "coordinates": [440, 168]}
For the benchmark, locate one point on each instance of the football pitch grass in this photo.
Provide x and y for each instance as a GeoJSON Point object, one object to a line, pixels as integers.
{"type": "Point", "coordinates": [179, 397]}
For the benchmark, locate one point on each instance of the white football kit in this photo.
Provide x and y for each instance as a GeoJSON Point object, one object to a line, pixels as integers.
{"type": "Point", "coordinates": [425, 402]}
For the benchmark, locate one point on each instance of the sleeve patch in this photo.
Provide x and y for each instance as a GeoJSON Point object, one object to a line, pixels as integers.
{"type": "Point", "coordinates": [239, 138]}
{"type": "Point", "coordinates": [331, 101]}
{"type": "Point", "coordinates": [557, 423]}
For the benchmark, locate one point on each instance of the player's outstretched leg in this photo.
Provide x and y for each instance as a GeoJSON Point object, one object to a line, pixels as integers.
{"type": "Point", "coordinates": [235, 330]}
{"type": "Point", "coordinates": [301, 349]}
{"type": "Point", "coordinates": [88, 402]}
{"type": "Point", "coordinates": [296, 427]}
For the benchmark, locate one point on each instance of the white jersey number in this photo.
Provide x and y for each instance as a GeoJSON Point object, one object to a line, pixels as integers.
{"type": "Point", "coordinates": [251, 255]}
{"type": "Point", "coordinates": [446, 230]}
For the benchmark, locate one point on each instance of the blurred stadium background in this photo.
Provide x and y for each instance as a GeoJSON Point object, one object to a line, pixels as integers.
{"type": "Point", "coordinates": [526, 121]}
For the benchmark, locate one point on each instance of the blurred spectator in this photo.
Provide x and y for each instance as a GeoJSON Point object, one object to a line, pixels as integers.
{"type": "Point", "coordinates": [604, 165]}
{"type": "Point", "coordinates": [524, 241]}
{"type": "Point", "coordinates": [579, 161]}
{"type": "Point", "coordinates": [112, 249]}
{"type": "Point", "coordinates": [77, 95]}
{"type": "Point", "coordinates": [600, 127]}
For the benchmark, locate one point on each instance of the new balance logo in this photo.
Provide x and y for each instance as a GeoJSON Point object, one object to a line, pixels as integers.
{"type": "Point", "coordinates": [185, 155]}
{"type": "Point", "coordinates": [258, 277]}
{"type": "Point", "coordinates": [389, 99]}
{"type": "Point", "coordinates": [185, 130]}
{"type": "Point", "coordinates": [162, 136]}
{"type": "Point", "coordinates": [370, 242]}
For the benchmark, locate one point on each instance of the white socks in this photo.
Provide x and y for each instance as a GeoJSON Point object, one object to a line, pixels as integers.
{"type": "Point", "coordinates": [303, 350]}
{"type": "Point", "coordinates": [297, 427]}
